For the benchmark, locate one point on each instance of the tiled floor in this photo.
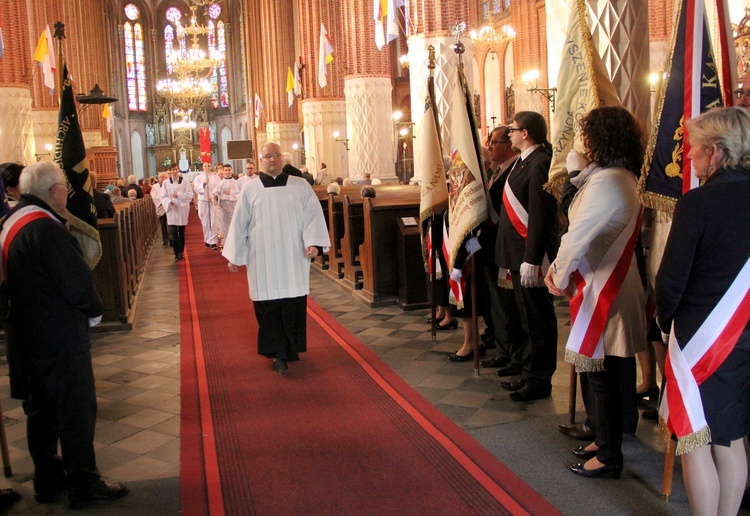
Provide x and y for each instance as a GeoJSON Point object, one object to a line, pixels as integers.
{"type": "Point", "coordinates": [138, 382]}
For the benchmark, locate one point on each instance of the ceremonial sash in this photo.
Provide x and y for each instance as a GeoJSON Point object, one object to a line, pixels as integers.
{"type": "Point", "coordinates": [597, 290]}
{"type": "Point", "coordinates": [519, 217]}
{"type": "Point", "coordinates": [15, 222]}
{"type": "Point", "coordinates": [456, 289]}
{"type": "Point", "coordinates": [681, 410]}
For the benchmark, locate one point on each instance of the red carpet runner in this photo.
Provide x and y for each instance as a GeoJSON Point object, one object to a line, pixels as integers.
{"type": "Point", "coordinates": [339, 434]}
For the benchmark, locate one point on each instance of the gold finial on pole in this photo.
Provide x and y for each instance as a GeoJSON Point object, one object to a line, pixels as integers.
{"type": "Point", "coordinates": [459, 48]}
{"type": "Point", "coordinates": [59, 36]}
{"type": "Point", "coordinates": [431, 57]}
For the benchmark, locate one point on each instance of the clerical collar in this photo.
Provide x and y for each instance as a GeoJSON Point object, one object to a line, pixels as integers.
{"type": "Point", "coordinates": [269, 181]}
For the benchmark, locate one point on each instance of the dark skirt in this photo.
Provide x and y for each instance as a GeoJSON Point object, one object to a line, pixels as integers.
{"type": "Point", "coordinates": [282, 326]}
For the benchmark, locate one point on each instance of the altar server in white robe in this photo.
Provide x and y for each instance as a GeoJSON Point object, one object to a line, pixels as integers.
{"type": "Point", "coordinates": [225, 192]}
{"type": "Point", "coordinates": [176, 195]}
{"type": "Point", "coordinates": [204, 184]}
{"type": "Point", "coordinates": [277, 228]}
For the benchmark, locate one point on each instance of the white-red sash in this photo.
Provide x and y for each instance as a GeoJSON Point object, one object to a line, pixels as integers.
{"type": "Point", "coordinates": [687, 367]}
{"type": "Point", "coordinates": [17, 220]}
{"type": "Point", "coordinates": [519, 217]}
{"type": "Point", "coordinates": [430, 260]}
{"type": "Point", "coordinates": [597, 290]}
{"type": "Point", "coordinates": [456, 288]}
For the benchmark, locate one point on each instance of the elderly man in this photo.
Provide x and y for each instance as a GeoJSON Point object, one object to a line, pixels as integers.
{"type": "Point", "coordinates": [277, 228]}
{"type": "Point", "coordinates": [51, 303]}
{"type": "Point", "coordinates": [176, 195]}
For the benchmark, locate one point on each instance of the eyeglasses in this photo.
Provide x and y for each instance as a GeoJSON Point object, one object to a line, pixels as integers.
{"type": "Point", "coordinates": [269, 156]}
{"type": "Point", "coordinates": [495, 142]}
{"type": "Point", "coordinates": [511, 129]}
{"type": "Point", "coordinates": [739, 93]}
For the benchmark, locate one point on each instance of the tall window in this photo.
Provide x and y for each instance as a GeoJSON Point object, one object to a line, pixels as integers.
{"type": "Point", "coordinates": [171, 29]}
{"type": "Point", "coordinates": [135, 60]}
{"type": "Point", "coordinates": [217, 41]}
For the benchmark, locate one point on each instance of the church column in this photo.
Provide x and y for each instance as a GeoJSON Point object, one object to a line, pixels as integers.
{"type": "Point", "coordinates": [621, 35]}
{"type": "Point", "coordinates": [254, 48]}
{"type": "Point", "coordinates": [323, 109]}
{"type": "Point", "coordinates": [367, 87]}
{"type": "Point", "coordinates": [17, 142]}
{"type": "Point", "coordinates": [431, 22]}
{"type": "Point", "coordinates": [282, 125]}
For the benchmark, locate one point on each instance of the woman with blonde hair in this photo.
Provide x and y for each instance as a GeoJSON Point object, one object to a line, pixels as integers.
{"type": "Point", "coordinates": [702, 309]}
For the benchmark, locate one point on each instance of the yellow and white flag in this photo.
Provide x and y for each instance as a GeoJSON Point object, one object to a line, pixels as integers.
{"type": "Point", "coordinates": [325, 56]}
{"type": "Point", "coordinates": [583, 84]}
{"type": "Point", "coordinates": [467, 200]}
{"type": "Point", "coordinates": [378, 12]}
{"type": "Point", "coordinates": [45, 56]}
{"type": "Point", "coordinates": [290, 87]}
{"type": "Point", "coordinates": [107, 115]}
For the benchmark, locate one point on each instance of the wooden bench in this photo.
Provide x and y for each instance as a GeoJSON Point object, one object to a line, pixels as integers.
{"type": "Point", "coordinates": [378, 252]}
{"type": "Point", "coordinates": [345, 255]}
{"type": "Point", "coordinates": [126, 242]}
{"type": "Point", "coordinates": [322, 261]}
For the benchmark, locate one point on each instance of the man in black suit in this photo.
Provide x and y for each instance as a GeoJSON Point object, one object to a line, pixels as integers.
{"type": "Point", "coordinates": [504, 319]}
{"type": "Point", "coordinates": [526, 243]}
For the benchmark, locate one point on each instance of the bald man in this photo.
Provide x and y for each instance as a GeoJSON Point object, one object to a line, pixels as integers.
{"type": "Point", "coordinates": [277, 228]}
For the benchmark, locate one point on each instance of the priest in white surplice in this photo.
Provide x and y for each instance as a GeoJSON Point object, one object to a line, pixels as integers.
{"type": "Point", "coordinates": [277, 228]}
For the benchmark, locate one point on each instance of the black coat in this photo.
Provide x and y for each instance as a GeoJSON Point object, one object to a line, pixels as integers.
{"type": "Point", "coordinates": [51, 296]}
{"type": "Point", "coordinates": [138, 191]}
{"type": "Point", "coordinates": [527, 181]}
{"type": "Point", "coordinates": [708, 245]}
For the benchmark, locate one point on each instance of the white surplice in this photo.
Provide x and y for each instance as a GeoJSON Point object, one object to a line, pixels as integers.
{"type": "Point", "coordinates": [176, 206]}
{"type": "Point", "coordinates": [269, 233]}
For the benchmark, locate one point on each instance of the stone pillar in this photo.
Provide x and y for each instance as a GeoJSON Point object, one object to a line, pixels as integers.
{"type": "Point", "coordinates": [17, 142]}
{"type": "Point", "coordinates": [323, 109]}
{"type": "Point", "coordinates": [367, 88]}
{"type": "Point", "coordinates": [620, 32]}
{"type": "Point", "coordinates": [434, 19]}
{"type": "Point", "coordinates": [282, 124]}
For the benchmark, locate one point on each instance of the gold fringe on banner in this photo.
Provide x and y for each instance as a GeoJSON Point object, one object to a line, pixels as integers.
{"type": "Point", "coordinates": [583, 363]}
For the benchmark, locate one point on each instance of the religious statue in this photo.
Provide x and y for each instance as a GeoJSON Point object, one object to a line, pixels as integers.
{"type": "Point", "coordinates": [162, 130]}
{"type": "Point", "coordinates": [150, 135]}
{"type": "Point", "coordinates": [510, 102]}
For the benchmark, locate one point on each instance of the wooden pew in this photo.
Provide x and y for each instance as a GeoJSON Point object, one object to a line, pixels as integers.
{"type": "Point", "coordinates": [338, 228]}
{"type": "Point", "coordinates": [378, 253]}
{"type": "Point", "coordinates": [126, 242]}
{"type": "Point", "coordinates": [322, 261]}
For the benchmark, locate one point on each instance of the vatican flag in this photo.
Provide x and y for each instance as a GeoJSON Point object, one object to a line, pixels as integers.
{"type": "Point", "coordinates": [583, 84]}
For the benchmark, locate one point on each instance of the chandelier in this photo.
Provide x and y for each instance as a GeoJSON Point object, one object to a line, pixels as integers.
{"type": "Point", "coordinates": [190, 86]}
{"type": "Point", "coordinates": [487, 35]}
{"type": "Point", "coordinates": [183, 121]}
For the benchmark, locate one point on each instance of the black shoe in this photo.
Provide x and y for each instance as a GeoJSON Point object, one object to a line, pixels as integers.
{"type": "Point", "coordinates": [280, 366]}
{"type": "Point", "coordinates": [8, 497]}
{"type": "Point", "coordinates": [513, 385]}
{"type": "Point", "coordinates": [181, 256]}
{"type": "Point", "coordinates": [615, 470]}
{"type": "Point", "coordinates": [208, 246]}
{"type": "Point", "coordinates": [165, 243]}
{"type": "Point", "coordinates": [578, 431]}
{"type": "Point", "coordinates": [177, 257]}
{"type": "Point", "coordinates": [469, 356]}
{"type": "Point", "coordinates": [437, 319]}
{"type": "Point", "coordinates": [102, 493]}
{"type": "Point", "coordinates": [495, 361]}
{"type": "Point", "coordinates": [582, 452]}
{"type": "Point", "coordinates": [528, 393]}
{"type": "Point", "coordinates": [450, 326]}
{"type": "Point", "coordinates": [652, 394]}
{"type": "Point", "coordinates": [510, 370]}
{"type": "Point", "coordinates": [214, 247]}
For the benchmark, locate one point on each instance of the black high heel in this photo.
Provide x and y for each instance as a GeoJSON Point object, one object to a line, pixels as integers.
{"type": "Point", "coordinates": [613, 469]}
{"type": "Point", "coordinates": [469, 356]}
{"type": "Point", "coordinates": [438, 320]}
{"type": "Point", "coordinates": [582, 452]}
{"type": "Point", "coordinates": [652, 394]}
{"type": "Point", "coordinates": [450, 326]}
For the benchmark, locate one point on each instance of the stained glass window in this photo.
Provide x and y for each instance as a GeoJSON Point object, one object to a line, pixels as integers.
{"type": "Point", "coordinates": [174, 15]}
{"type": "Point", "coordinates": [168, 47]}
{"type": "Point", "coordinates": [135, 60]}
{"type": "Point", "coordinates": [214, 11]}
{"type": "Point", "coordinates": [215, 72]}
{"type": "Point", "coordinates": [223, 83]}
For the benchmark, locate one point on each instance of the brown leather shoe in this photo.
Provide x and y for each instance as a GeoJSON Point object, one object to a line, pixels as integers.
{"type": "Point", "coordinates": [578, 431]}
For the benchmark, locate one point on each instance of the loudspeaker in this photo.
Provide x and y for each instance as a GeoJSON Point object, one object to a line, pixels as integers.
{"type": "Point", "coordinates": [240, 149]}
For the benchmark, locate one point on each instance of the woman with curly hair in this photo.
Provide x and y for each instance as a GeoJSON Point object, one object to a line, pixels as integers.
{"type": "Point", "coordinates": [596, 268]}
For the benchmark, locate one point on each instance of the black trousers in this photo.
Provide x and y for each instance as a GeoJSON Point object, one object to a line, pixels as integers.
{"type": "Point", "coordinates": [607, 388]}
{"type": "Point", "coordinates": [506, 322]}
{"type": "Point", "coordinates": [282, 327]}
{"type": "Point", "coordinates": [62, 407]}
{"type": "Point", "coordinates": [165, 237]}
{"type": "Point", "coordinates": [540, 325]}
{"type": "Point", "coordinates": [178, 239]}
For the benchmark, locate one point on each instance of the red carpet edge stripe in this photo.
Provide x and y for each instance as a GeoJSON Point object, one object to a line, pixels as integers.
{"type": "Point", "coordinates": [213, 479]}
{"type": "Point", "coordinates": [447, 443]}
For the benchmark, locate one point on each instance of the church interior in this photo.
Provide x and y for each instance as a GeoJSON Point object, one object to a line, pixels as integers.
{"type": "Point", "coordinates": [160, 82]}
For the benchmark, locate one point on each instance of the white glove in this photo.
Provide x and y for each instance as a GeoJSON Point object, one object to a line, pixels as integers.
{"type": "Point", "coordinates": [472, 245]}
{"type": "Point", "coordinates": [665, 337]}
{"type": "Point", "coordinates": [456, 275]}
{"type": "Point", "coordinates": [529, 275]}
{"type": "Point", "coordinates": [575, 161]}
{"type": "Point", "coordinates": [93, 321]}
